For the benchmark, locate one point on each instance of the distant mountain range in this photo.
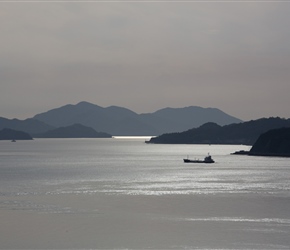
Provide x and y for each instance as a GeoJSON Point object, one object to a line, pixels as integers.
{"type": "Point", "coordinates": [189, 125]}
{"type": "Point", "coordinates": [121, 121]}
{"type": "Point", "coordinates": [211, 133]}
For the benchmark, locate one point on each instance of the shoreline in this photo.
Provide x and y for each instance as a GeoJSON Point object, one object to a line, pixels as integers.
{"type": "Point", "coordinates": [243, 152]}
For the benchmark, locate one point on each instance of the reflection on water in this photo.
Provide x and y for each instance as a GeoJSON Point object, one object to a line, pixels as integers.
{"type": "Point", "coordinates": [234, 202]}
{"type": "Point", "coordinates": [241, 219]}
{"type": "Point", "coordinates": [122, 166]}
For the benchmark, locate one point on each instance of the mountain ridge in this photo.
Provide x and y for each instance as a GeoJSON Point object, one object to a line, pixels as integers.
{"type": "Point", "coordinates": [122, 121]}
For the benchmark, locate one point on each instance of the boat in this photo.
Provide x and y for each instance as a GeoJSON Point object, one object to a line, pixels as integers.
{"type": "Point", "coordinates": [207, 159]}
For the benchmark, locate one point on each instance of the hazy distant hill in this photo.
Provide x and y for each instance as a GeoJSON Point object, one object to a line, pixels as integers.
{"type": "Point", "coordinates": [29, 126]}
{"type": "Point", "coordinates": [211, 133]}
{"type": "Point", "coordinates": [11, 134]}
{"type": "Point", "coordinates": [121, 121]}
{"type": "Point", "coordinates": [73, 131]}
{"type": "Point", "coordinates": [170, 120]}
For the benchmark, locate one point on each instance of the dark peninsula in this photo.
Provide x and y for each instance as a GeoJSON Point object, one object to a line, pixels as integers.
{"type": "Point", "coordinates": [275, 142]}
{"type": "Point", "coordinates": [11, 134]}
{"type": "Point", "coordinates": [73, 131]}
{"type": "Point", "coordinates": [210, 133]}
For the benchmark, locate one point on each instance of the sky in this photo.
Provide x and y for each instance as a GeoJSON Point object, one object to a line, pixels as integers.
{"type": "Point", "coordinates": [145, 55]}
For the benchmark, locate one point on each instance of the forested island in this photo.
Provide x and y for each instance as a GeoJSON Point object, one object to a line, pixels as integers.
{"type": "Point", "coordinates": [11, 134]}
{"type": "Point", "coordinates": [245, 133]}
{"type": "Point", "coordinates": [73, 131]}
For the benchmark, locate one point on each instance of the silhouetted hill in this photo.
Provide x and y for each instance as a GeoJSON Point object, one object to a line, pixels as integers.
{"type": "Point", "coordinates": [112, 120]}
{"type": "Point", "coordinates": [11, 134]}
{"type": "Point", "coordinates": [73, 131]}
{"type": "Point", "coordinates": [275, 142]}
{"type": "Point", "coordinates": [170, 120]}
{"type": "Point", "coordinates": [29, 126]}
{"type": "Point", "coordinates": [121, 121]}
{"type": "Point", "coordinates": [210, 133]}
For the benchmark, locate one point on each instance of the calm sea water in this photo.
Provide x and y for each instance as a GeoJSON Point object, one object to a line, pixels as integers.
{"type": "Point", "coordinates": [258, 187]}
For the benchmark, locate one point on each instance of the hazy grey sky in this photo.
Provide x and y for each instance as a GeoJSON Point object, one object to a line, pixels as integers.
{"type": "Point", "coordinates": [145, 55]}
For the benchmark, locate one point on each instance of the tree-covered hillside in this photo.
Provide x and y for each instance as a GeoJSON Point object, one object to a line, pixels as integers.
{"type": "Point", "coordinates": [210, 133]}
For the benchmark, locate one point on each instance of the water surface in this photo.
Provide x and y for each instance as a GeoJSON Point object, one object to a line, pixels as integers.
{"type": "Point", "coordinates": [122, 193]}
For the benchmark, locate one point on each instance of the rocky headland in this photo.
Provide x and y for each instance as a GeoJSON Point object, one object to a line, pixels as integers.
{"type": "Point", "coordinates": [275, 142]}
